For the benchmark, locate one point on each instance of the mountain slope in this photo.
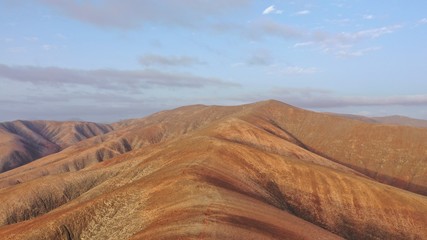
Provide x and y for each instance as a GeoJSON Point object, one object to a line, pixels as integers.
{"type": "Point", "coordinates": [384, 157]}
{"type": "Point", "coordinates": [379, 151]}
{"type": "Point", "coordinates": [391, 120]}
{"type": "Point", "coordinates": [24, 141]}
{"type": "Point", "coordinates": [401, 120]}
{"type": "Point", "coordinates": [260, 171]}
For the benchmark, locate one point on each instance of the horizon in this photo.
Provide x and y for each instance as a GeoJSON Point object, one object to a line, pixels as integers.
{"type": "Point", "coordinates": [105, 61]}
{"type": "Point", "coordinates": [345, 115]}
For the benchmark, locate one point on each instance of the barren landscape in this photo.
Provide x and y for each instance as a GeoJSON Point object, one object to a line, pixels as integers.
{"type": "Point", "coordinates": [265, 170]}
{"type": "Point", "coordinates": [151, 120]}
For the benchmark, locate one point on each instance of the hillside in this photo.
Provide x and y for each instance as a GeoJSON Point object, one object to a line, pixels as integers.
{"type": "Point", "coordinates": [401, 120]}
{"type": "Point", "coordinates": [390, 120]}
{"type": "Point", "coordinates": [259, 171]}
{"type": "Point", "coordinates": [24, 141]}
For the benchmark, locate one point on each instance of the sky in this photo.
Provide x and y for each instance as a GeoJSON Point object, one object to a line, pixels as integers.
{"type": "Point", "coordinates": [108, 60]}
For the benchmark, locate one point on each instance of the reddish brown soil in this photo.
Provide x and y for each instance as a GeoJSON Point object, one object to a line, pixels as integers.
{"type": "Point", "coordinates": [260, 171]}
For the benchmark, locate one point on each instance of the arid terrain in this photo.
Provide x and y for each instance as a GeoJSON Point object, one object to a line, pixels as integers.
{"type": "Point", "coordinates": [265, 170]}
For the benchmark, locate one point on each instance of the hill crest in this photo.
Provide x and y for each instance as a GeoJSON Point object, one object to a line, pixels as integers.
{"type": "Point", "coordinates": [265, 170]}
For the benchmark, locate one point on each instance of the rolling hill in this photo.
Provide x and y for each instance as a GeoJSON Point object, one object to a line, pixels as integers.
{"type": "Point", "coordinates": [266, 170]}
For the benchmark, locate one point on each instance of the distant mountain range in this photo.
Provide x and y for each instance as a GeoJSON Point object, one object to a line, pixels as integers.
{"type": "Point", "coordinates": [391, 120]}
{"type": "Point", "coordinates": [265, 170]}
{"type": "Point", "coordinates": [24, 141]}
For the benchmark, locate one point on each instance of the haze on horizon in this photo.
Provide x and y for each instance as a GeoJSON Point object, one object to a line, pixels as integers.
{"type": "Point", "coordinates": [109, 60]}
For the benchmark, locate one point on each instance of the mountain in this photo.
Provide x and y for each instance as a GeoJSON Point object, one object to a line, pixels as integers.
{"type": "Point", "coordinates": [24, 141]}
{"type": "Point", "coordinates": [390, 120]}
{"type": "Point", "coordinates": [265, 170]}
{"type": "Point", "coordinates": [401, 120]}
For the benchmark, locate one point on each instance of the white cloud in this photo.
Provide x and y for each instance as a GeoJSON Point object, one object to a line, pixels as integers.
{"type": "Point", "coordinates": [303, 44]}
{"type": "Point", "coordinates": [158, 60]}
{"type": "Point", "coordinates": [371, 33]}
{"type": "Point", "coordinates": [368, 17]}
{"type": "Point", "coordinates": [423, 21]}
{"type": "Point", "coordinates": [356, 53]}
{"type": "Point", "coordinates": [284, 70]}
{"type": "Point", "coordinates": [269, 10]}
{"type": "Point", "coordinates": [49, 47]}
{"type": "Point", "coordinates": [303, 12]}
{"type": "Point", "coordinates": [329, 42]}
{"type": "Point", "coordinates": [272, 9]}
{"type": "Point", "coordinates": [343, 44]}
{"type": "Point", "coordinates": [323, 39]}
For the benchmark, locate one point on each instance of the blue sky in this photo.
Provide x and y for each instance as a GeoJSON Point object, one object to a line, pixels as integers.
{"type": "Point", "coordinates": [110, 60]}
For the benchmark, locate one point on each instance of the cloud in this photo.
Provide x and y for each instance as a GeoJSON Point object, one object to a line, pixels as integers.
{"type": "Point", "coordinates": [295, 96]}
{"type": "Point", "coordinates": [49, 47]}
{"type": "Point", "coordinates": [329, 42]}
{"type": "Point", "coordinates": [369, 33]}
{"type": "Point", "coordinates": [98, 95]}
{"type": "Point", "coordinates": [107, 78]}
{"type": "Point", "coordinates": [128, 14]}
{"type": "Point", "coordinates": [303, 44]}
{"type": "Point", "coordinates": [321, 98]}
{"type": "Point", "coordinates": [263, 28]}
{"type": "Point", "coordinates": [423, 21]}
{"type": "Point", "coordinates": [284, 70]}
{"type": "Point", "coordinates": [272, 9]}
{"type": "Point", "coordinates": [345, 38]}
{"type": "Point", "coordinates": [98, 109]}
{"type": "Point", "coordinates": [355, 53]}
{"type": "Point", "coordinates": [340, 21]}
{"type": "Point", "coordinates": [260, 58]}
{"type": "Point", "coordinates": [343, 44]}
{"type": "Point", "coordinates": [306, 92]}
{"type": "Point", "coordinates": [158, 60]}
{"type": "Point", "coordinates": [113, 107]}
{"type": "Point", "coordinates": [303, 12]}
{"type": "Point", "coordinates": [334, 101]}
{"type": "Point", "coordinates": [368, 17]}
{"type": "Point", "coordinates": [317, 98]}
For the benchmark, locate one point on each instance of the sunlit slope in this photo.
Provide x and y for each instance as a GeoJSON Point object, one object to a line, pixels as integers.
{"type": "Point", "coordinates": [259, 171]}
{"type": "Point", "coordinates": [211, 188]}
{"type": "Point", "coordinates": [395, 155]}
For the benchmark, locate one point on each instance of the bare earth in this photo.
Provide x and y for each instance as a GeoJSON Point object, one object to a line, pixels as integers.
{"type": "Point", "coordinates": [259, 171]}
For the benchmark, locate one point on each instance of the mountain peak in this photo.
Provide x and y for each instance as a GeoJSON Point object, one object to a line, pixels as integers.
{"type": "Point", "coordinates": [265, 170]}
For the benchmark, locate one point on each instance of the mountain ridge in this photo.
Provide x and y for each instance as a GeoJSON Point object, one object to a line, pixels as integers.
{"type": "Point", "coordinates": [25, 141]}
{"type": "Point", "coordinates": [264, 171]}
